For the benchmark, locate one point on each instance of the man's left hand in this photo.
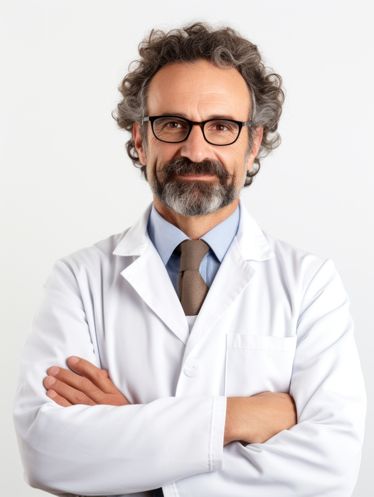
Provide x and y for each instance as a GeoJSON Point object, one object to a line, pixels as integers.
{"type": "Point", "coordinates": [84, 383]}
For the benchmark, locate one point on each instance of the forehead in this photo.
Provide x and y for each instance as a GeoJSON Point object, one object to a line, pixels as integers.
{"type": "Point", "coordinates": [199, 90]}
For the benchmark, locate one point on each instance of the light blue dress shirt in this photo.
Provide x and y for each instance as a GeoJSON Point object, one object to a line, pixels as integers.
{"type": "Point", "coordinates": [166, 237]}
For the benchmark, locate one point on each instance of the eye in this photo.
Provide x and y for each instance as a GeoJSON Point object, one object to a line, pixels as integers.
{"type": "Point", "coordinates": [170, 124]}
{"type": "Point", "coordinates": [173, 124]}
{"type": "Point", "coordinates": [222, 126]}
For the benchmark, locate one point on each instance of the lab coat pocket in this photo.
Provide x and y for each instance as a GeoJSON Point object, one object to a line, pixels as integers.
{"type": "Point", "coordinates": [257, 364]}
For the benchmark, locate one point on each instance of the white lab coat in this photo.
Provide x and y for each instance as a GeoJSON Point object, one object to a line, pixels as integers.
{"type": "Point", "coordinates": [276, 318]}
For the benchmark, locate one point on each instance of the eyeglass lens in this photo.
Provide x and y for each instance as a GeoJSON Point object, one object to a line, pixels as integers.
{"type": "Point", "coordinates": [216, 131]}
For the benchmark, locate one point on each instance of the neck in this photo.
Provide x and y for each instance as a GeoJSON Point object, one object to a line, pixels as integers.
{"type": "Point", "coordinates": [195, 226]}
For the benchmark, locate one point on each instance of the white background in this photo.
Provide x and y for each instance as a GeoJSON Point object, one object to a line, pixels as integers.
{"type": "Point", "coordinates": [66, 181]}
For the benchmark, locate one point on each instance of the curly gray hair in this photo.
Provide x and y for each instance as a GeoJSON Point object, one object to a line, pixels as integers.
{"type": "Point", "coordinates": [223, 47]}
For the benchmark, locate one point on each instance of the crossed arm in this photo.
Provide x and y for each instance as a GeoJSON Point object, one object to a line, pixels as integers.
{"type": "Point", "coordinates": [248, 419]}
{"type": "Point", "coordinates": [88, 440]}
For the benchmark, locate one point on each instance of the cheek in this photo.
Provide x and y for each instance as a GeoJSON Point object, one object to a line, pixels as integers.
{"type": "Point", "coordinates": [155, 161]}
{"type": "Point", "coordinates": [159, 153]}
{"type": "Point", "coordinates": [235, 162]}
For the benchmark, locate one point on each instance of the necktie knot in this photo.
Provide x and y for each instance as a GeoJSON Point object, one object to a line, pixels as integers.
{"type": "Point", "coordinates": [192, 253]}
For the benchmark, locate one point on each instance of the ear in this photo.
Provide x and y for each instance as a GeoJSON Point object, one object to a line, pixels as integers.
{"type": "Point", "coordinates": [138, 142]}
{"type": "Point", "coordinates": [258, 133]}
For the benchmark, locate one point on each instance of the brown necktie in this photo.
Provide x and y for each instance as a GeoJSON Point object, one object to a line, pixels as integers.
{"type": "Point", "coordinates": [192, 287]}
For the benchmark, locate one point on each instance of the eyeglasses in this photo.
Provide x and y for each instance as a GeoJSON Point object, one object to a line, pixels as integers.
{"type": "Point", "coordinates": [175, 129]}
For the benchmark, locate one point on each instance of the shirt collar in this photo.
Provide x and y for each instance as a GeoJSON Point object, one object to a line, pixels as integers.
{"type": "Point", "coordinates": [166, 237]}
{"type": "Point", "coordinates": [220, 237]}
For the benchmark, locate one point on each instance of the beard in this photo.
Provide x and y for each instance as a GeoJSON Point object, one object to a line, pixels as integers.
{"type": "Point", "coordinates": [194, 198]}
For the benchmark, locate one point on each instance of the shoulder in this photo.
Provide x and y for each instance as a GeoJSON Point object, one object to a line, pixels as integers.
{"type": "Point", "coordinates": [91, 261]}
{"type": "Point", "coordinates": [290, 254]}
{"type": "Point", "coordinates": [297, 266]}
{"type": "Point", "coordinates": [274, 255]}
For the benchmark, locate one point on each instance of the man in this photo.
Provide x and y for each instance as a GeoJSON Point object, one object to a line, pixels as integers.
{"type": "Point", "coordinates": [194, 352]}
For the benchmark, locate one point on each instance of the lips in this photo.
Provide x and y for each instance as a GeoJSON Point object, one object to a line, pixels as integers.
{"type": "Point", "coordinates": [197, 176]}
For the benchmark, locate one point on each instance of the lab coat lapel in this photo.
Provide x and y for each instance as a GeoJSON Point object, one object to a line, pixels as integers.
{"type": "Point", "coordinates": [235, 273]}
{"type": "Point", "coordinates": [148, 276]}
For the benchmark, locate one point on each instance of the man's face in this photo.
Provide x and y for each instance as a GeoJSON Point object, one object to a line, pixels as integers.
{"type": "Point", "coordinates": [194, 177]}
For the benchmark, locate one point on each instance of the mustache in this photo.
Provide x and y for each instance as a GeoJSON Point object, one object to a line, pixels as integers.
{"type": "Point", "coordinates": [184, 166]}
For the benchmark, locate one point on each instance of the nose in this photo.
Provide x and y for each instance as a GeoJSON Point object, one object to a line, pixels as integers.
{"type": "Point", "coordinates": [195, 147]}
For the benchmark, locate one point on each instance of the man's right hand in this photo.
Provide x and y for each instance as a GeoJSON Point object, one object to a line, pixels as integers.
{"type": "Point", "coordinates": [257, 418]}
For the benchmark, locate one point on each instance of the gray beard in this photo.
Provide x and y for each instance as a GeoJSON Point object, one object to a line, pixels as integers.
{"type": "Point", "coordinates": [198, 198]}
{"type": "Point", "coordinates": [195, 198]}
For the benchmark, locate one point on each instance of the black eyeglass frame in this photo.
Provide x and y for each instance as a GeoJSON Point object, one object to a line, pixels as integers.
{"type": "Point", "coordinates": [190, 123]}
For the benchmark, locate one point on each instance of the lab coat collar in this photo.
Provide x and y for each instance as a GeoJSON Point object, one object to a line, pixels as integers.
{"type": "Point", "coordinates": [252, 242]}
{"type": "Point", "coordinates": [233, 277]}
{"type": "Point", "coordinates": [136, 239]}
{"type": "Point", "coordinates": [147, 274]}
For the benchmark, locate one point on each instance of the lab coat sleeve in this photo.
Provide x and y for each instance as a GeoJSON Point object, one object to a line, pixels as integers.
{"type": "Point", "coordinates": [321, 454]}
{"type": "Point", "coordinates": [102, 449]}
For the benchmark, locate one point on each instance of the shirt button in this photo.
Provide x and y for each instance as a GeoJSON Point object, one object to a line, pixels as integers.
{"type": "Point", "coordinates": [191, 369]}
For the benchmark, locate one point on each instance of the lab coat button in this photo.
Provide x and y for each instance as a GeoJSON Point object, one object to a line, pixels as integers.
{"type": "Point", "coordinates": [190, 369]}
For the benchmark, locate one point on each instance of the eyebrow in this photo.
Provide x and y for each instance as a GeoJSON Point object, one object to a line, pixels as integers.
{"type": "Point", "coordinates": [212, 116]}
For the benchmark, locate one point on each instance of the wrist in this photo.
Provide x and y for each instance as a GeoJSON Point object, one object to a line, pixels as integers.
{"type": "Point", "coordinates": [232, 426]}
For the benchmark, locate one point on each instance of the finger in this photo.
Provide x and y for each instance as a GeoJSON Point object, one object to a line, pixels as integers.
{"type": "Point", "coordinates": [58, 399]}
{"type": "Point", "coordinates": [69, 393]}
{"type": "Point", "coordinates": [76, 381]}
{"type": "Point", "coordinates": [98, 376]}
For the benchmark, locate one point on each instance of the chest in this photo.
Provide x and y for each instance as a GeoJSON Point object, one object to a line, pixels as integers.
{"type": "Point", "coordinates": [239, 350]}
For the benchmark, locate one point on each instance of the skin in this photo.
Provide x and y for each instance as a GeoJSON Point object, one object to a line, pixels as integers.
{"type": "Point", "coordinates": [82, 383]}
{"type": "Point", "coordinates": [252, 419]}
{"type": "Point", "coordinates": [198, 91]}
